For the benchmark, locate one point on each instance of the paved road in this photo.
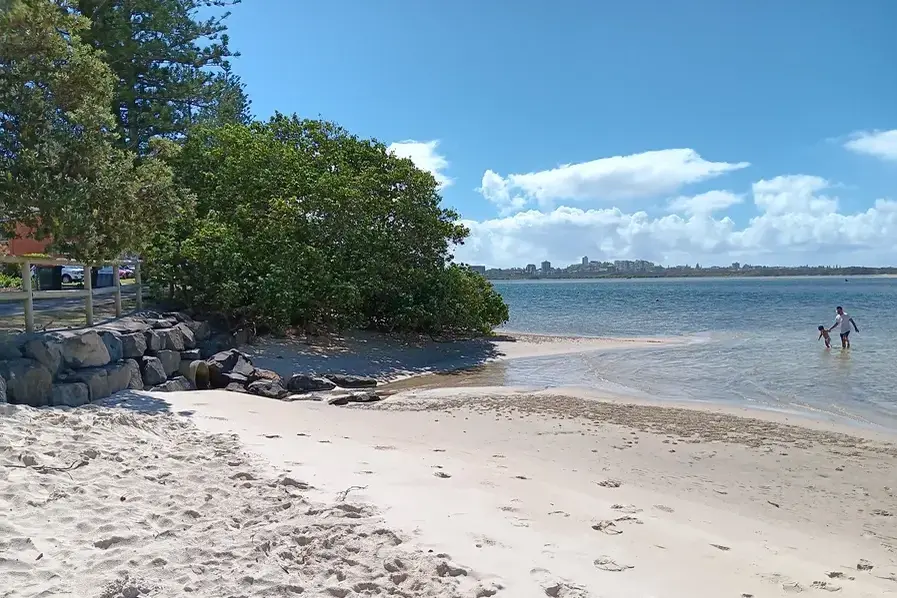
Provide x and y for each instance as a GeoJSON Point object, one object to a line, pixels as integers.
{"type": "Point", "coordinates": [15, 308]}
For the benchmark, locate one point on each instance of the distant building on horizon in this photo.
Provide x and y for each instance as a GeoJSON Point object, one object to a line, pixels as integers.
{"type": "Point", "coordinates": [585, 260]}
{"type": "Point", "coordinates": [479, 269]}
{"type": "Point", "coordinates": [531, 268]}
{"type": "Point", "coordinates": [546, 267]}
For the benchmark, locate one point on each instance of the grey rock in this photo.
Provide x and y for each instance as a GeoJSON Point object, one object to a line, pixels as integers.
{"type": "Point", "coordinates": [201, 330]}
{"type": "Point", "coordinates": [119, 377]}
{"type": "Point", "coordinates": [189, 339]}
{"type": "Point", "coordinates": [152, 371]}
{"type": "Point", "coordinates": [215, 344]}
{"type": "Point", "coordinates": [271, 389]}
{"type": "Point", "coordinates": [355, 397]}
{"type": "Point", "coordinates": [178, 384]}
{"type": "Point", "coordinates": [349, 381]}
{"type": "Point", "coordinates": [160, 323]}
{"type": "Point", "coordinates": [191, 354]}
{"type": "Point", "coordinates": [96, 379]}
{"type": "Point", "coordinates": [10, 350]}
{"type": "Point", "coordinates": [171, 360]}
{"type": "Point", "coordinates": [133, 345]}
{"type": "Point", "coordinates": [262, 374]}
{"type": "Point", "coordinates": [2, 390]}
{"type": "Point", "coordinates": [113, 343]}
{"type": "Point", "coordinates": [308, 383]}
{"type": "Point", "coordinates": [228, 362]}
{"type": "Point", "coordinates": [27, 382]}
{"type": "Point", "coordinates": [234, 377]}
{"type": "Point", "coordinates": [154, 341]}
{"type": "Point", "coordinates": [172, 339]}
{"type": "Point", "coordinates": [84, 350]}
{"type": "Point", "coordinates": [135, 379]}
{"type": "Point", "coordinates": [235, 387]}
{"type": "Point", "coordinates": [46, 351]}
{"type": "Point", "coordinates": [71, 394]}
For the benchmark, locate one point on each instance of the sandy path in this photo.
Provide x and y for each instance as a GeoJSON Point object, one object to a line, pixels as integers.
{"type": "Point", "coordinates": [565, 497]}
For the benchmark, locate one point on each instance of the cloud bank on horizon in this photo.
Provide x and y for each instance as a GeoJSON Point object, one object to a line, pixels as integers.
{"type": "Point", "coordinates": [799, 220]}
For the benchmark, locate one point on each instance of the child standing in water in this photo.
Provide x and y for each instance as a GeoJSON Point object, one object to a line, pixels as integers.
{"type": "Point", "coordinates": [823, 333]}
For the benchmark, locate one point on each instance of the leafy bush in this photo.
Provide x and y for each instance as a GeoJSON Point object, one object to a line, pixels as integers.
{"type": "Point", "coordinates": [10, 282]}
{"type": "Point", "coordinates": [298, 223]}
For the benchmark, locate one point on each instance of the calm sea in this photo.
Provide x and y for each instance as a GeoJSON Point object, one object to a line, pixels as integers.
{"type": "Point", "coordinates": [750, 342]}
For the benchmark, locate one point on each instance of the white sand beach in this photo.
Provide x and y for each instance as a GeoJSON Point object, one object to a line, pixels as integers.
{"type": "Point", "coordinates": [443, 492]}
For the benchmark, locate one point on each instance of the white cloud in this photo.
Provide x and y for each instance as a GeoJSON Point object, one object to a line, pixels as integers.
{"type": "Point", "coordinates": [796, 224]}
{"type": "Point", "coordinates": [881, 144]}
{"type": "Point", "coordinates": [705, 203]}
{"type": "Point", "coordinates": [425, 157]}
{"type": "Point", "coordinates": [643, 175]}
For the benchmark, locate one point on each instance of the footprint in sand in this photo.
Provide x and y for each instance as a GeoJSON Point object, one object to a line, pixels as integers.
{"type": "Point", "coordinates": [271, 435]}
{"type": "Point", "coordinates": [629, 509]}
{"type": "Point", "coordinates": [442, 474]}
{"type": "Point", "coordinates": [608, 527]}
{"type": "Point", "coordinates": [606, 563]}
{"type": "Point", "coordinates": [610, 483]}
{"type": "Point", "coordinates": [555, 587]}
{"type": "Point", "coordinates": [664, 508]}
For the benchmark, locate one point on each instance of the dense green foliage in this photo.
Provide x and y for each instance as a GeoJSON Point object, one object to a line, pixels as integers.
{"type": "Point", "coordinates": [122, 128]}
{"type": "Point", "coordinates": [299, 223]}
{"type": "Point", "coordinates": [170, 67]}
{"type": "Point", "coordinates": [10, 282]}
{"type": "Point", "coordinates": [60, 169]}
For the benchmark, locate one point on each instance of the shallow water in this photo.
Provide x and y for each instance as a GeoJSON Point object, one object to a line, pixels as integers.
{"type": "Point", "coordinates": [751, 342]}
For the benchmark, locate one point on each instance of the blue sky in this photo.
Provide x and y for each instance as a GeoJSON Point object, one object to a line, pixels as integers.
{"type": "Point", "coordinates": [786, 113]}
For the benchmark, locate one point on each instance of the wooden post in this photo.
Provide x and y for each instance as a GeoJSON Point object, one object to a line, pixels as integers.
{"type": "Point", "coordinates": [88, 299]}
{"type": "Point", "coordinates": [116, 280]}
{"type": "Point", "coordinates": [29, 300]}
{"type": "Point", "coordinates": [138, 282]}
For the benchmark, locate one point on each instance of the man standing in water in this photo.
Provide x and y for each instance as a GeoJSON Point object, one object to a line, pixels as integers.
{"type": "Point", "coordinates": [843, 321]}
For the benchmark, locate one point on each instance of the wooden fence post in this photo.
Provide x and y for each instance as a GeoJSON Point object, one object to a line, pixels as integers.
{"type": "Point", "coordinates": [138, 282]}
{"type": "Point", "coordinates": [88, 299]}
{"type": "Point", "coordinates": [116, 280]}
{"type": "Point", "coordinates": [29, 299]}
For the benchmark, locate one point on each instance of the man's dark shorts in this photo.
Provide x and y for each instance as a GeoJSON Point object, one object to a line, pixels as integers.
{"type": "Point", "coordinates": [845, 335]}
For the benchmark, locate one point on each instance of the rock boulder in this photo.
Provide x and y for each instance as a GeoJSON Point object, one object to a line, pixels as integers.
{"type": "Point", "coordinates": [135, 379]}
{"type": "Point", "coordinates": [84, 350]}
{"type": "Point", "coordinates": [154, 341]}
{"type": "Point", "coordinates": [235, 387]}
{"type": "Point", "coordinates": [172, 338]}
{"type": "Point", "coordinates": [152, 371]}
{"type": "Point", "coordinates": [308, 383]}
{"type": "Point", "coordinates": [27, 382]}
{"type": "Point", "coordinates": [113, 343]}
{"type": "Point", "coordinates": [171, 360]}
{"type": "Point", "coordinates": [174, 385]}
{"type": "Point", "coordinates": [47, 351]}
{"type": "Point", "coordinates": [272, 389]}
{"type": "Point", "coordinates": [133, 345]}
{"type": "Point", "coordinates": [228, 362]}
{"type": "Point", "coordinates": [96, 380]}
{"type": "Point", "coordinates": [71, 394]}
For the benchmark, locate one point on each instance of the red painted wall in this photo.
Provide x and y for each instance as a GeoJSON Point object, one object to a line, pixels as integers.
{"type": "Point", "coordinates": [23, 244]}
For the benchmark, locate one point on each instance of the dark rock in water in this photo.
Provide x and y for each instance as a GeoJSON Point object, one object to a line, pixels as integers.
{"type": "Point", "coordinates": [271, 389]}
{"type": "Point", "coordinates": [308, 383]}
{"type": "Point", "coordinates": [27, 382]}
{"type": "Point", "coordinates": [113, 343]}
{"type": "Point", "coordinates": [235, 387]}
{"type": "Point", "coordinates": [260, 374]}
{"type": "Point", "coordinates": [72, 394]}
{"type": "Point", "coordinates": [178, 384]}
{"type": "Point", "coordinates": [350, 381]}
{"type": "Point", "coordinates": [355, 397]}
{"type": "Point", "coordinates": [153, 372]}
{"type": "Point", "coordinates": [228, 362]}
{"type": "Point", "coordinates": [171, 360]}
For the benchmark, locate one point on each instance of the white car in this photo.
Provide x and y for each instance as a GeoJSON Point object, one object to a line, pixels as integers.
{"type": "Point", "coordinates": [72, 274]}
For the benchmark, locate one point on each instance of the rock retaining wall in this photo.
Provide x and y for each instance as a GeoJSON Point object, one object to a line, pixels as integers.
{"type": "Point", "coordinates": [148, 351]}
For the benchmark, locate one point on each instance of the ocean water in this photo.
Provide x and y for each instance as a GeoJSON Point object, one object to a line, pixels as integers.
{"type": "Point", "coordinates": [747, 341]}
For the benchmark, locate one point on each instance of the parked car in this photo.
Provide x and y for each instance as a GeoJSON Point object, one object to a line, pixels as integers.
{"type": "Point", "coordinates": [126, 272]}
{"type": "Point", "coordinates": [72, 274]}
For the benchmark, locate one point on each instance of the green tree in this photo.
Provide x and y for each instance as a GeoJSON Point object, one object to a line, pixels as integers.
{"type": "Point", "coordinates": [60, 171]}
{"type": "Point", "coordinates": [300, 223]}
{"type": "Point", "coordinates": [170, 66]}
